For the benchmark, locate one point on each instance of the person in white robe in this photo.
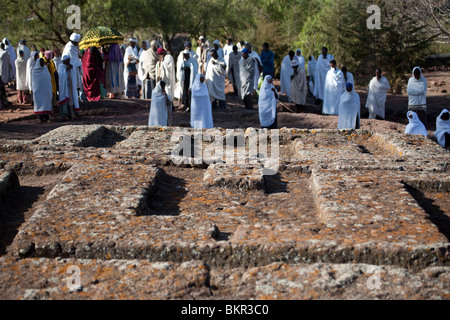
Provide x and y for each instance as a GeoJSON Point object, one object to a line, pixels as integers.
{"type": "Point", "coordinates": [417, 95]}
{"type": "Point", "coordinates": [415, 126]}
{"type": "Point", "coordinates": [349, 109]}
{"type": "Point", "coordinates": [165, 71]}
{"type": "Point", "coordinates": [258, 65]}
{"type": "Point", "coordinates": [194, 59]}
{"type": "Point", "coordinates": [267, 104]}
{"type": "Point", "coordinates": [42, 91]}
{"type": "Point", "coordinates": [442, 133]}
{"type": "Point", "coordinates": [228, 48]}
{"type": "Point", "coordinates": [57, 59]}
{"type": "Point", "coordinates": [203, 47]}
{"type": "Point", "coordinates": [134, 52]}
{"type": "Point", "coordinates": [5, 65]}
{"type": "Point", "coordinates": [31, 63]}
{"type": "Point", "coordinates": [26, 51]}
{"type": "Point", "coordinates": [201, 113]}
{"type": "Point", "coordinates": [334, 87]}
{"type": "Point", "coordinates": [21, 78]}
{"type": "Point", "coordinates": [12, 58]}
{"type": "Point", "coordinates": [160, 107]}
{"type": "Point", "coordinates": [322, 68]}
{"type": "Point", "coordinates": [300, 58]}
{"type": "Point", "coordinates": [68, 94]}
{"type": "Point", "coordinates": [215, 80]}
{"type": "Point", "coordinates": [299, 87]}
{"type": "Point", "coordinates": [247, 70]}
{"type": "Point", "coordinates": [220, 53]}
{"type": "Point", "coordinates": [348, 77]}
{"type": "Point", "coordinates": [312, 64]}
{"type": "Point", "coordinates": [286, 73]}
{"type": "Point", "coordinates": [376, 97]}
{"type": "Point", "coordinates": [147, 69]}
{"type": "Point", "coordinates": [233, 69]}
{"type": "Point", "coordinates": [187, 73]}
{"type": "Point", "coordinates": [71, 49]}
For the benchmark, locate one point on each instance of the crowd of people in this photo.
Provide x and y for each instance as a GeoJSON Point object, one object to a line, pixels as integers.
{"type": "Point", "coordinates": [197, 79]}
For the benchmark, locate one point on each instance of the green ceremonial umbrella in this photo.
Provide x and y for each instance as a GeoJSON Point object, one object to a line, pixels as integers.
{"type": "Point", "coordinates": [100, 36]}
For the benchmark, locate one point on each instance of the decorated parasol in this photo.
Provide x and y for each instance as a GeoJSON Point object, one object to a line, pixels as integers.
{"type": "Point", "coordinates": [101, 36]}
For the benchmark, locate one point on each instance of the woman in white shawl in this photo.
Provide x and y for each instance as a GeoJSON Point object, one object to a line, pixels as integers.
{"type": "Point", "coordinates": [12, 58]}
{"type": "Point", "coordinates": [376, 98]}
{"type": "Point", "coordinates": [30, 65]}
{"type": "Point", "coordinates": [349, 109]}
{"type": "Point", "coordinates": [42, 91]}
{"type": "Point", "coordinates": [201, 113]}
{"type": "Point", "coordinates": [68, 96]}
{"type": "Point", "coordinates": [442, 133]}
{"type": "Point", "coordinates": [322, 68]}
{"type": "Point", "coordinates": [21, 78]}
{"type": "Point", "coordinates": [312, 63]}
{"type": "Point", "coordinates": [415, 126]}
{"type": "Point", "coordinates": [268, 99]}
{"type": "Point", "coordinates": [160, 107]}
{"type": "Point", "coordinates": [299, 87]}
{"type": "Point", "coordinates": [300, 58]}
{"type": "Point", "coordinates": [286, 74]}
{"type": "Point", "coordinates": [5, 65]}
{"type": "Point", "coordinates": [417, 95]}
{"type": "Point", "coordinates": [332, 92]}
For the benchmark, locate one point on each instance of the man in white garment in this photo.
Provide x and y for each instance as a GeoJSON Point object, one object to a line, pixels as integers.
{"type": "Point", "coordinates": [376, 98]}
{"type": "Point", "coordinates": [300, 58]}
{"type": "Point", "coordinates": [5, 65]}
{"type": "Point", "coordinates": [233, 69]}
{"type": "Point", "coordinates": [134, 52]}
{"type": "Point", "coordinates": [23, 46]}
{"type": "Point", "coordinates": [258, 65]}
{"type": "Point", "coordinates": [247, 70]}
{"type": "Point", "coordinates": [215, 80]}
{"type": "Point", "coordinates": [31, 63]}
{"type": "Point", "coordinates": [219, 50]}
{"type": "Point", "coordinates": [187, 73]}
{"type": "Point", "coordinates": [71, 49]}
{"type": "Point", "coordinates": [417, 95]}
{"type": "Point", "coordinates": [165, 71]}
{"type": "Point", "coordinates": [147, 69]}
{"type": "Point", "coordinates": [21, 78]}
{"type": "Point", "coordinates": [334, 87]}
{"type": "Point", "coordinates": [68, 96]}
{"type": "Point", "coordinates": [348, 77]}
{"type": "Point", "coordinates": [203, 49]}
{"type": "Point", "coordinates": [42, 91]}
{"type": "Point", "coordinates": [12, 58]}
{"type": "Point", "coordinates": [286, 73]}
{"type": "Point", "coordinates": [349, 109]}
{"type": "Point", "coordinates": [227, 49]}
{"type": "Point", "coordinates": [299, 87]}
{"type": "Point", "coordinates": [322, 68]}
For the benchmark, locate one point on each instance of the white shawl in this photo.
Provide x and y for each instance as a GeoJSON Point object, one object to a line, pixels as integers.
{"type": "Point", "coordinates": [442, 127]}
{"type": "Point", "coordinates": [30, 65]}
{"type": "Point", "coordinates": [376, 98]}
{"type": "Point", "coordinates": [258, 62]}
{"type": "Point", "coordinates": [201, 110]}
{"type": "Point", "coordinates": [165, 71]}
{"type": "Point", "coordinates": [349, 110]}
{"type": "Point", "coordinates": [42, 89]}
{"type": "Point", "coordinates": [415, 126]}
{"type": "Point", "coordinates": [215, 79]}
{"type": "Point", "coordinates": [334, 87]}
{"type": "Point", "coordinates": [12, 58]}
{"type": "Point", "coordinates": [417, 91]}
{"type": "Point", "coordinates": [21, 74]}
{"type": "Point", "coordinates": [322, 68]}
{"type": "Point", "coordinates": [25, 49]}
{"type": "Point", "coordinates": [300, 58]}
{"type": "Point", "coordinates": [74, 52]}
{"type": "Point", "coordinates": [286, 73]}
{"type": "Point", "coordinates": [159, 110]}
{"type": "Point", "coordinates": [5, 66]}
{"type": "Point", "coordinates": [267, 103]}
{"type": "Point", "coordinates": [247, 76]}
{"type": "Point", "coordinates": [135, 53]}
{"type": "Point", "coordinates": [299, 86]}
{"type": "Point", "coordinates": [65, 95]}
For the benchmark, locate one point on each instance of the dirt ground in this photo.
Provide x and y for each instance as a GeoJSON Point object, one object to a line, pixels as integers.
{"type": "Point", "coordinates": [19, 122]}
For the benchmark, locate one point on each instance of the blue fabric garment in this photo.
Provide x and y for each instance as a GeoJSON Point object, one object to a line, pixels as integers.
{"type": "Point", "coordinates": [267, 60]}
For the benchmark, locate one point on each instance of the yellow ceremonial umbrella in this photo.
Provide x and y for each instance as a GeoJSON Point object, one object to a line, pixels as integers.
{"type": "Point", "coordinates": [100, 36]}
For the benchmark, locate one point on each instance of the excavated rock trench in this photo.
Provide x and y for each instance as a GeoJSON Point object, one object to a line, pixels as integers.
{"type": "Point", "coordinates": [311, 214]}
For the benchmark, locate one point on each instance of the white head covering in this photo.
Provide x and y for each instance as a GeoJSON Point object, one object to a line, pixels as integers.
{"type": "Point", "coordinates": [75, 37]}
{"type": "Point", "coordinates": [133, 40]}
{"type": "Point", "coordinates": [415, 126]}
{"type": "Point", "coordinates": [267, 103]}
{"type": "Point", "coordinates": [159, 113]}
{"type": "Point", "coordinates": [202, 37]}
{"type": "Point", "coordinates": [65, 57]}
{"type": "Point", "coordinates": [199, 89]}
{"type": "Point", "coordinates": [442, 127]}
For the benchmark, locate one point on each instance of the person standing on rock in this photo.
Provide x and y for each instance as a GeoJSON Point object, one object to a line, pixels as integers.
{"type": "Point", "coordinates": [322, 68]}
{"type": "Point", "coordinates": [349, 109]}
{"type": "Point", "coordinates": [42, 91]}
{"type": "Point", "coordinates": [417, 95]}
{"type": "Point", "coordinates": [201, 113]}
{"type": "Point", "coordinates": [334, 88]}
{"type": "Point", "coordinates": [215, 80]}
{"type": "Point", "coordinates": [267, 103]}
{"type": "Point", "coordinates": [161, 107]}
{"type": "Point", "coordinates": [376, 98]}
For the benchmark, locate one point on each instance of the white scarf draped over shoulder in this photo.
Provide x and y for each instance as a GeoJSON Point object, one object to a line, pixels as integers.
{"type": "Point", "coordinates": [42, 89]}
{"type": "Point", "coordinates": [159, 108]}
{"type": "Point", "coordinates": [417, 91]}
{"type": "Point", "coordinates": [215, 78]}
{"type": "Point", "coordinates": [322, 68]}
{"type": "Point", "coordinates": [442, 127]}
{"type": "Point", "coordinates": [201, 110]}
{"type": "Point", "coordinates": [21, 74]}
{"type": "Point", "coordinates": [286, 73]}
{"type": "Point", "coordinates": [68, 86]}
{"type": "Point", "coordinates": [247, 70]}
{"type": "Point", "coordinates": [415, 126]}
{"type": "Point", "coordinates": [334, 87]}
{"type": "Point", "coordinates": [267, 103]}
{"type": "Point", "coordinates": [376, 98]}
{"type": "Point", "coordinates": [165, 71]}
{"type": "Point", "coordinates": [349, 110]}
